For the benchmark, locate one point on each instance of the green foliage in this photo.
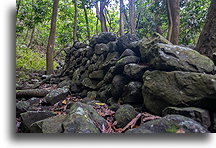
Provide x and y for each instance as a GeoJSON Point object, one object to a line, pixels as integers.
{"type": "Point", "coordinates": [149, 14]}
{"type": "Point", "coordinates": [27, 59]}
{"type": "Point", "coordinates": [192, 18]}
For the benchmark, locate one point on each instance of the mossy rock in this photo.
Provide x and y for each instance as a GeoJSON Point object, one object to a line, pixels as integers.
{"type": "Point", "coordinates": [163, 89]}
{"type": "Point", "coordinates": [82, 118]}
{"type": "Point", "coordinates": [169, 57]}
{"type": "Point", "coordinates": [200, 115]}
{"type": "Point", "coordinates": [50, 125]}
{"type": "Point", "coordinates": [124, 115]}
{"type": "Point", "coordinates": [170, 124]}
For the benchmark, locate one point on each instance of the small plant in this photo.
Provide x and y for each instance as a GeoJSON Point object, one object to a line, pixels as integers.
{"type": "Point", "coordinates": [172, 129]}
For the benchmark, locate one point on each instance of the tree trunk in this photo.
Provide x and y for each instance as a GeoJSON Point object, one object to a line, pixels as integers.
{"type": "Point", "coordinates": [173, 7]}
{"type": "Point", "coordinates": [32, 37]}
{"type": "Point", "coordinates": [102, 16]}
{"type": "Point", "coordinates": [126, 18]}
{"type": "Point", "coordinates": [26, 35]}
{"type": "Point", "coordinates": [87, 22]}
{"type": "Point", "coordinates": [97, 10]}
{"type": "Point", "coordinates": [97, 32]}
{"type": "Point", "coordinates": [207, 41]}
{"type": "Point", "coordinates": [121, 30]}
{"type": "Point", "coordinates": [75, 21]}
{"type": "Point", "coordinates": [29, 93]}
{"type": "Point", "coordinates": [157, 18]}
{"type": "Point", "coordinates": [108, 18]}
{"type": "Point", "coordinates": [51, 41]}
{"type": "Point", "coordinates": [139, 14]}
{"type": "Point", "coordinates": [97, 15]}
{"type": "Point", "coordinates": [132, 16]}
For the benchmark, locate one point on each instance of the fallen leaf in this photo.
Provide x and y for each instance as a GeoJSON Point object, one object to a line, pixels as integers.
{"type": "Point", "coordinates": [100, 104]}
{"type": "Point", "coordinates": [180, 131]}
{"type": "Point", "coordinates": [64, 102]}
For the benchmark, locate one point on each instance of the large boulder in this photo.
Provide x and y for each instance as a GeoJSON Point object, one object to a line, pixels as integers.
{"type": "Point", "coordinates": [99, 74]}
{"type": "Point", "coordinates": [100, 61]}
{"type": "Point", "coordinates": [76, 77]}
{"type": "Point", "coordinates": [89, 83]}
{"type": "Point", "coordinates": [110, 60]}
{"type": "Point", "coordinates": [109, 75]}
{"type": "Point", "coordinates": [101, 49]}
{"type": "Point", "coordinates": [135, 71]}
{"type": "Point", "coordinates": [124, 115]}
{"type": "Point", "coordinates": [118, 83]}
{"type": "Point", "coordinates": [56, 95]}
{"type": "Point", "coordinates": [74, 88]}
{"type": "Point", "coordinates": [23, 106]}
{"type": "Point", "coordinates": [200, 115]}
{"type": "Point", "coordinates": [104, 37]}
{"type": "Point", "coordinates": [132, 93]}
{"type": "Point", "coordinates": [172, 57]}
{"type": "Point", "coordinates": [82, 118]}
{"type": "Point", "coordinates": [125, 60]}
{"type": "Point", "coordinates": [92, 95]}
{"type": "Point", "coordinates": [163, 89]}
{"type": "Point", "coordinates": [51, 125]}
{"type": "Point", "coordinates": [112, 46]}
{"type": "Point", "coordinates": [170, 124]}
{"type": "Point", "coordinates": [104, 93]}
{"type": "Point", "coordinates": [127, 52]}
{"type": "Point", "coordinates": [30, 117]}
{"type": "Point", "coordinates": [124, 42]}
{"type": "Point", "coordinates": [78, 45]}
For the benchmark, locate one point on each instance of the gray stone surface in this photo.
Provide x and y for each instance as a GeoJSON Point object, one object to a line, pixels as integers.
{"type": "Point", "coordinates": [170, 124]}
{"type": "Point", "coordinates": [82, 118]}
{"type": "Point", "coordinates": [175, 58]}
{"type": "Point", "coordinates": [200, 115]}
{"type": "Point", "coordinates": [132, 93]}
{"type": "Point", "coordinates": [56, 95]}
{"type": "Point", "coordinates": [124, 115]}
{"type": "Point", "coordinates": [163, 89]}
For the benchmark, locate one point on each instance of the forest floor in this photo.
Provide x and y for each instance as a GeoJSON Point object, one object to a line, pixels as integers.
{"type": "Point", "coordinates": [33, 80]}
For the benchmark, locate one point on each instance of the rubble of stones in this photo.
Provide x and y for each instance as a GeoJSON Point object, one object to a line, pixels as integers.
{"type": "Point", "coordinates": [131, 75]}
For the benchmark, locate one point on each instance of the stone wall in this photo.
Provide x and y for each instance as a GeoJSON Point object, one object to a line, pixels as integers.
{"type": "Point", "coordinates": [151, 73]}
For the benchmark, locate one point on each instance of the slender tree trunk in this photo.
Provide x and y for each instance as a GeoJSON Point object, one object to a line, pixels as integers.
{"type": "Point", "coordinates": [98, 16]}
{"type": "Point", "coordinates": [170, 23]}
{"type": "Point", "coordinates": [102, 16]}
{"type": "Point", "coordinates": [26, 35]}
{"type": "Point", "coordinates": [132, 17]}
{"type": "Point", "coordinates": [51, 41]}
{"type": "Point", "coordinates": [32, 36]}
{"type": "Point", "coordinates": [97, 10]}
{"type": "Point", "coordinates": [173, 7]}
{"type": "Point", "coordinates": [121, 30]}
{"type": "Point", "coordinates": [207, 41]}
{"type": "Point", "coordinates": [108, 18]}
{"type": "Point", "coordinates": [127, 19]}
{"type": "Point", "coordinates": [75, 21]}
{"type": "Point", "coordinates": [157, 18]}
{"type": "Point", "coordinates": [139, 14]}
{"type": "Point", "coordinates": [97, 27]}
{"type": "Point", "coordinates": [87, 22]}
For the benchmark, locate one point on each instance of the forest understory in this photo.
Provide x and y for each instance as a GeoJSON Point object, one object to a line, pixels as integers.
{"type": "Point", "coordinates": [115, 66]}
